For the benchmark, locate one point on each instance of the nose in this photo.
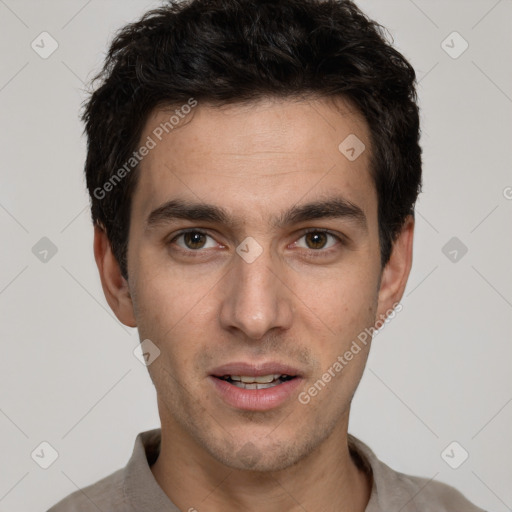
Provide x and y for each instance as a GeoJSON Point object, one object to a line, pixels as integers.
{"type": "Point", "coordinates": [256, 298]}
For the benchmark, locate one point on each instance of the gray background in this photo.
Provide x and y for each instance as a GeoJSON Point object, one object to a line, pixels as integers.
{"type": "Point", "coordinates": [438, 373]}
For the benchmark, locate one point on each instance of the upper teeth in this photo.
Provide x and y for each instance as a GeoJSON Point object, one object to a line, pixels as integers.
{"type": "Point", "coordinates": [262, 379]}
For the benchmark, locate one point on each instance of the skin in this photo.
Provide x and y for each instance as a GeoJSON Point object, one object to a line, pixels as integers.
{"type": "Point", "coordinates": [256, 161]}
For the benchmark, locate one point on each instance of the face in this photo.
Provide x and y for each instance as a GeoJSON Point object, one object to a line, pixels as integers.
{"type": "Point", "coordinates": [254, 252]}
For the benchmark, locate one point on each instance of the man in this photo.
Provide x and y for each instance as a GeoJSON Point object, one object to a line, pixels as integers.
{"type": "Point", "coordinates": [253, 169]}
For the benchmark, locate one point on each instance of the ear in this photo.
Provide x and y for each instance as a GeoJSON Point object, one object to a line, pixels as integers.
{"type": "Point", "coordinates": [115, 286]}
{"type": "Point", "coordinates": [396, 271]}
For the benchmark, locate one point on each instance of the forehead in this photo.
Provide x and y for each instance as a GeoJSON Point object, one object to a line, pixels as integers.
{"type": "Point", "coordinates": [252, 158]}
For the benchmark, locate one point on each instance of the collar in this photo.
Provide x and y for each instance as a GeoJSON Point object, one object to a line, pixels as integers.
{"type": "Point", "coordinates": [143, 492]}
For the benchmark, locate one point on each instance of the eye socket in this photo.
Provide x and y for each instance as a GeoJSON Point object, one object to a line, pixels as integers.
{"type": "Point", "coordinates": [324, 234]}
{"type": "Point", "coordinates": [318, 239]}
{"type": "Point", "coordinates": [194, 238]}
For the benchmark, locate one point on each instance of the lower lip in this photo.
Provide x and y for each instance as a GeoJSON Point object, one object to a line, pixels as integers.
{"type": "Point", "coordinates": [255, 399]}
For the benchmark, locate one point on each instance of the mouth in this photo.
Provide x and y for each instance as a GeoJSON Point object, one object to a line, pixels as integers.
{"type": "Point", "coordinates": [255, 387]}
{"type": "Point", "coordinates": [261, 382]}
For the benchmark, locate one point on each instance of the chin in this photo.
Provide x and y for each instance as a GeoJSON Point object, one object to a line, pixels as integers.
{"type": "Point", "coordinates": [263, 457]}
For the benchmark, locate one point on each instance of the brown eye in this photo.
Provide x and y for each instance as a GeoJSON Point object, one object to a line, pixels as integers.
{"type": "Point", "coordinates": [318, 239]}
{"type": "Point", "coordinates": [193, 240]}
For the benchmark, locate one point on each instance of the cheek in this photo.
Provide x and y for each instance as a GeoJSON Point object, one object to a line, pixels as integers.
{"type": "Point", "coordinates": [174, 310]}
{"type": "Point", "coordinates": [165, 316]}
{"type": "Point", "coordinates": [344, 299]}
{"type": "Point", "coordinates": [169, 295]}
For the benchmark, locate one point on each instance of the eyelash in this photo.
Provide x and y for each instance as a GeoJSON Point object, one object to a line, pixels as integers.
{"type": "Point", "coordinates": [314, 253]}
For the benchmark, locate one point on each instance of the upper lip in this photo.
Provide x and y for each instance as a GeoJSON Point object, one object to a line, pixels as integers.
{"type": "Point", "coordinates": [255, 369]}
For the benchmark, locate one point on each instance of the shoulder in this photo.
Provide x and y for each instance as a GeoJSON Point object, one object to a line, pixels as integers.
{"type": "Point", "coordinates": [105, 494]}
{"type": "Point", "coordinates": [392, 490]}
{"type": "Point", "coordinates": [429, 495]}
{"type": "Point", "coordinates": [129, 489]}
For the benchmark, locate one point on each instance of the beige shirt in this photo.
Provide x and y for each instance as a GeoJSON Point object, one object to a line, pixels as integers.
{"type": "Point", "coordinates": [134, 489]}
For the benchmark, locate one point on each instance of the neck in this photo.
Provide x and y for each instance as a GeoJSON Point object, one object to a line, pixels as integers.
{"type": "Point", "coordinates": [327, 480]}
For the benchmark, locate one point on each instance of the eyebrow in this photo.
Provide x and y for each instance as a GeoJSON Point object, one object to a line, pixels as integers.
{"type": "Point", "coordinates": [332, 208]}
